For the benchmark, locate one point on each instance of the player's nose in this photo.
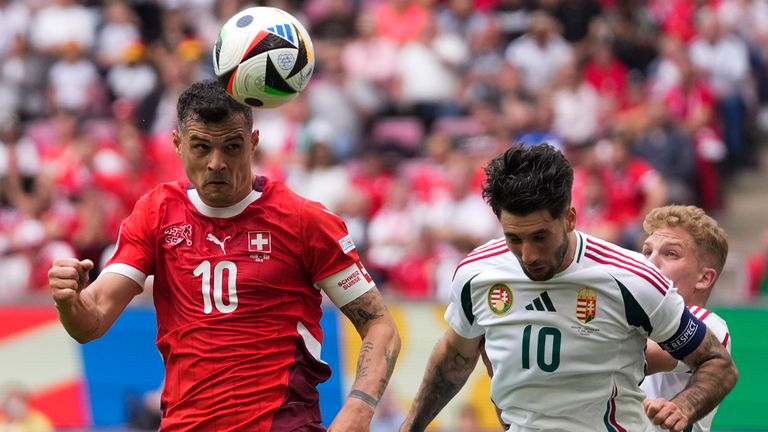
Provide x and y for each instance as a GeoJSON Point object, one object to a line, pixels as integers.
{"type": "Point", "coordinates": [528, 253]}
{"type": "Point", "coordinates": [216, 161]}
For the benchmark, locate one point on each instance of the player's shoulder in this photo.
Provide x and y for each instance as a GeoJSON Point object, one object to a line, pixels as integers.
{"type": "Point", "coordinates": [708, 317]}
{"type": "Point", "coordinates": [485, 257]}
{"type": "Point", "coordinates": [629, 267]}
{"type": "Point", "coordinates": [163, 192]}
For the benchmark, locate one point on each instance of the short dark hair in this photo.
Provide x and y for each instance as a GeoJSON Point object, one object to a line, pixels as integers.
{"type": "Point", "coordinates": [209, 102]}
{"type": "Point", "coordinates": [526, 179]}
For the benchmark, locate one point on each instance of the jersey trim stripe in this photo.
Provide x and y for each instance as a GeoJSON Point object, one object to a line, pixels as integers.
{"type": "Point", "coordinates": [128, 271]}
{"type": "Point", "coordinates": [653, 270]}
{"type": "Point", "coordinates": [704, 315]}
{"type": "Point", "coordinates": [580, 249]}
{"type": "Point", "coordinates": [466, 300]}
{"type": "Point", "coordinates": [478, 258]}
{"type": "Point", "coordinates": [221, 212]}
{"type": "Point", "coordinates": [609, 418]}
{"type": "Point", "coordinates": [579, 253]}
{"type": "Point", "coordinates": [626, 264]}
{"type": "Point", "coordinates": [725, 340]}
{"type": "Point", "coordinates": [490, 245]}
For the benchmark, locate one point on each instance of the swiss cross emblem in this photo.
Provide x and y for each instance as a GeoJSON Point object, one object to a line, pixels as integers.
{"type": "Point", "coordinates": [586, 305]}
{"type": "Point", "coordinates": [259, 241]}
{"type": "Point", "coordinates": [177, 234]}
{"type": "Point", "coordinates": [500, 299]}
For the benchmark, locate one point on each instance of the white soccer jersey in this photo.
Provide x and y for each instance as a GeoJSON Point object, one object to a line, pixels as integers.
{"type": "Point", "coordinates": [568, 353]}
{"type": "Point", "coordinates": [668, 384]}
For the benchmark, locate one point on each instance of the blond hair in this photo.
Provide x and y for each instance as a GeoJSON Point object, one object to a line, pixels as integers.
{"type": "Point", "coordinates": [710, 239]}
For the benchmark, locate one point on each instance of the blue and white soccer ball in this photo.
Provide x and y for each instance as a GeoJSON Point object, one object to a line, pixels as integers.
{"type": "Point", "coordinates": [264, 57]}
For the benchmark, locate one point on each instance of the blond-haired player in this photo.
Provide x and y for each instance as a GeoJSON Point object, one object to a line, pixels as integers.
{"type": "Point", "coordinates": [690, 248]}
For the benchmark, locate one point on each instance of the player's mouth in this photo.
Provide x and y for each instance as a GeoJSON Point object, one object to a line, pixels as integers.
{"type": "Point", "coordinates": [537, 270]}
{"type": "Point", "coordinates": [217, 182]}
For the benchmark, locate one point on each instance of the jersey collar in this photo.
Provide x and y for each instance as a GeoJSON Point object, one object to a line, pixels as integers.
{"type": "Point", "coordinates": [221, 212]}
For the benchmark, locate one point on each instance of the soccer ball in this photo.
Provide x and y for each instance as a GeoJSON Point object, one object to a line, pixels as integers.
{"type": "Point", "coordinates": [263, 56]}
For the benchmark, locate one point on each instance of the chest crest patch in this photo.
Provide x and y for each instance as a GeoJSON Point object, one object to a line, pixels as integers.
{"type": "Point", "coordinates": [177, 234]}
{"type": "Point", "coordinates": [586, 305]}
{"type": "Point", "coordinates": [500, 299]}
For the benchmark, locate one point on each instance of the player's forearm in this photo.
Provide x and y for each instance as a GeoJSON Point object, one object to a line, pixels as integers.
{"type": "Point", "coordinates": [710, 382]}
{"type": "Point", "coordinates": [447, 371]}
{"type": "Point", "coordinates": [375, 362]}
{"type": "Point", "coordinates": [81, 317]}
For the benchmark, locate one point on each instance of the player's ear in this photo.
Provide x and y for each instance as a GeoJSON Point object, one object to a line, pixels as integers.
{"type": "Point", "coordinates": [570, 219]}
{"type": "Point", "coordinates": [177, 141]}
{"type": "Point", "coordinates": [254, 139]}
{"type": "Point", "coordinates": [706, 279]}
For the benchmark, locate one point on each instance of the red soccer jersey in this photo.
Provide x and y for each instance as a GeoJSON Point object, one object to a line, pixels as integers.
{"type": "Point", "coordinates": [238, 313]}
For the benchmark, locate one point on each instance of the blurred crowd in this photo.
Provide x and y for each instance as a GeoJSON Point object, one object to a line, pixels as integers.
{"type": "Point", "coordinates": [653, 101]}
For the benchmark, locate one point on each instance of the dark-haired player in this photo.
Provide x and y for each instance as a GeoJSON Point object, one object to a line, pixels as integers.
{"type": "Point", "coordinates": [564, 318]}
{"type": "Point", "coordinates": [239, 263]}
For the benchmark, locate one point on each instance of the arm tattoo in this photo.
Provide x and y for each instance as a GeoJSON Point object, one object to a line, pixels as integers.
{"type": "Point", "coordinates": [440, 385]}
{"type": "Point", "coordinates": [713, 377]}
{"type": "Point", "coordinates": [363, 310]}
{"type": "Point", "coordinates": [365, 397]}
{"type": "Point", "coordinates": [390, 358]}
{"type": "Point", "coordinates": [363, 360]}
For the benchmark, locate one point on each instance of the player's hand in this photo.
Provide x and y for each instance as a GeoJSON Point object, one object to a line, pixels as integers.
{"type": "Point", "coordinates": [355, 416]}
{"type": "Point", "coordinates": [67, 277]}
{"type": "Point", "coordinates": [666, 414]}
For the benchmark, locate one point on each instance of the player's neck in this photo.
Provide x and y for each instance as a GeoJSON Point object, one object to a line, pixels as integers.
{"type": "Point", "coordinates": [569, 254]}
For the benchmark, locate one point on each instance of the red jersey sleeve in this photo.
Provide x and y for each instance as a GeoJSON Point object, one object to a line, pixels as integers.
{"type": "Point", "coordinates": [328, 247]}
{"type": "Point", "coordinates": [136, 242]}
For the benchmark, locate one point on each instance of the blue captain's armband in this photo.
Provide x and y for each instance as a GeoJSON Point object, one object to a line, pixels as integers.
{"type": "Point", "coordinates": [687, 338]}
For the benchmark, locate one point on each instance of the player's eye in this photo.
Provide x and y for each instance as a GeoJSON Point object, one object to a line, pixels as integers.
{"type": "Point", "coordinates": [646, 252]}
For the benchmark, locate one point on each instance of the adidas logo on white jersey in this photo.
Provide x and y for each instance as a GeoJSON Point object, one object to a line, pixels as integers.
{"type": "Point", "coordinates": [541, 303]}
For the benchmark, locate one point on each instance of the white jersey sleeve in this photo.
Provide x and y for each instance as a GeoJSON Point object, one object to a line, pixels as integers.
{"type": "Point", "coordinates": [459, 313]}
{"type": "Point", "coordinates": [652, 304]}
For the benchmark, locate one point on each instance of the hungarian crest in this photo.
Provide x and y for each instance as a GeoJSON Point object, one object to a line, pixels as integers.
{"type": "Point", "coordinates": [500, 299]}
{"type": "Point", "coordinates": [586, 305]}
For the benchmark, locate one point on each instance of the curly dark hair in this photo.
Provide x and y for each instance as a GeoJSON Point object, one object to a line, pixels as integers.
{"type": "Point", "coordinates": [526, 179]}
{"type": "Point", "coordinates": [208, 101]}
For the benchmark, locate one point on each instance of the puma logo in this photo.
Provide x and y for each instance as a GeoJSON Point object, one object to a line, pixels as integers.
{"type": "Point", "coordinates": [214, 239]}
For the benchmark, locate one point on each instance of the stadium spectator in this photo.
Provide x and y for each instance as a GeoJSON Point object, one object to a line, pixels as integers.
{"type": "Point", "coordinates": [369, 64]}
{"type": "Point", "coordinates": [61, 22]}
{"type": "Point", "coordinates": [401, 21]}
{"type": "Point", "coordinates": [355, 84]}
{"type": "Point", "coordinates": [691, 104]}
{"type": "Point", "coordinates": [539, 53]}
{"type": "Point", "coordinates": [227, 229]}
{"type": "Point", "coordinates": [690, 249]}
{"type": "Point", "coordinates": [723, 59]}
{"type": "Point", "coordinates": [16, 413]}
{"type": "Point", "coordinates": [757, 269]}
{"type": "Point", "coordinates": [118, 30]}
{"type": "Point", "coordinates": [427, 73]}
{"type": "Point", "coordinates": [74, 83]}
{"type": "Point", "coordinates": [131, 76]}
{"type": "Point", "coordinates": [515, 291]}
{"type": "Point", "coordinates": [321, 178]}
{"type": "Point", "coordinates": [669, 149]}
{"type": "Point", "coordinates": [633, 186]}
{"type": "Point", "coordinates": [575, 103]}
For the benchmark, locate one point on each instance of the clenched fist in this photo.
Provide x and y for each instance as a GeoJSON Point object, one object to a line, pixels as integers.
{"type": "Point", "coordinates": [67, 277]}
{"type": "Point", "coordinates": [666, 414]}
